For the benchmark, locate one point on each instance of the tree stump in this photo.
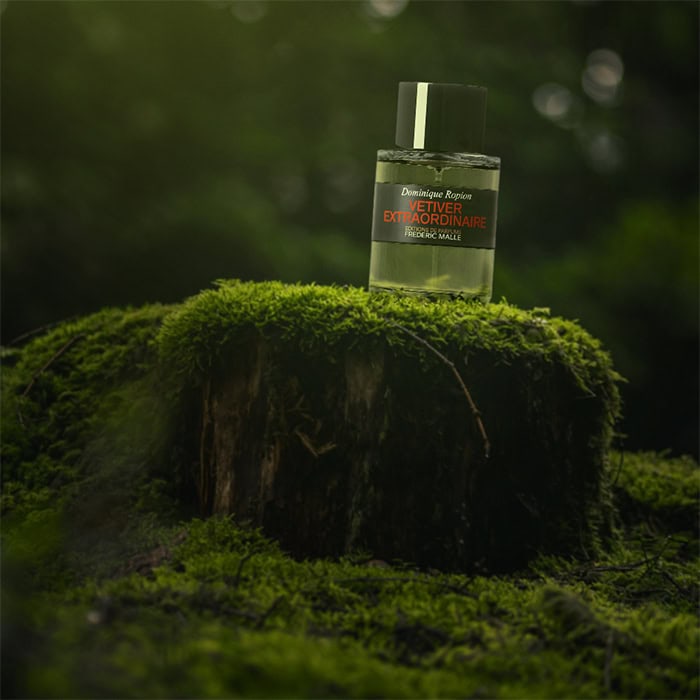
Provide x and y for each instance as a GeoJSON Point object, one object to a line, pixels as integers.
{"type": "Point", "coordinates": [442, 433]}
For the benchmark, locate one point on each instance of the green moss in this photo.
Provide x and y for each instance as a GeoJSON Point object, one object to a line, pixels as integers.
{"type": "Point", "coordinates": [86, 439]}
{"type": "Point", "coordinates": [320, 319]}
{"type": "Point", "coordinates": [229, 615]}
{"type": "Point", "coordinates": [112, 589]}
{"type": "Point", "coordinates": [58, 382]}
{"type": "Point", "coordinates": [659, 490]}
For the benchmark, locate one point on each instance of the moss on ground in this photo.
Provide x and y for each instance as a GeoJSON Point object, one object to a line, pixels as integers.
{"type": "Point", "coordinates": [659, 490]}
{"type": "Point", "coordinates": [112, 588]}
{"type": "Point", "coordinates": [89, 445]}
{"type": "Point", "coordinates": [225, 614]}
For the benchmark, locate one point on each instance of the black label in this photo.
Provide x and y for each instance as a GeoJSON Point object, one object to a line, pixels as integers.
{"type": "Point", "coordinates": [428, 215]}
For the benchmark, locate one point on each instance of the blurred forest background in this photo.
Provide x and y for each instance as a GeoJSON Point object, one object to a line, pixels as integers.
{"type": "Point", "coordinates": [149, 148]}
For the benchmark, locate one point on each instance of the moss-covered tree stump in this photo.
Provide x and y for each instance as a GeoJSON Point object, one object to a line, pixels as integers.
{"type": "Point", "coordinates": [446, 434]}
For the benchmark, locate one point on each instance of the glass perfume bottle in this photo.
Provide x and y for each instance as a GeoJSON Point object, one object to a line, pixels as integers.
{"type": "Point", "coordinates": [436, 196]}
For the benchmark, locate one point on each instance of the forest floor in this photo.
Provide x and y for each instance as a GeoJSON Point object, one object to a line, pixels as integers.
{"type": "Point", "coordinates": [113, 589]}
{"type": "Point", "coordinates": [216, 610]}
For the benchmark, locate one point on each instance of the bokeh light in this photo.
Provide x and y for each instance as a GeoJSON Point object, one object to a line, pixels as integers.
{"type": "Point", "coordinates": [553, 101]}
{"type": "Point", "coordinates": [249, 11]}
{"type": "Point", "coordinates": [601, 78]}
{"type": "Point", "coordinates": [604, 150]}
{"type": "Point", "coordinates": [385, 9]}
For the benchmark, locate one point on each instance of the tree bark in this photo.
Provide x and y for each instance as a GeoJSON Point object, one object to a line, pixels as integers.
{"type": "Point", "coordinates": [377, 450]}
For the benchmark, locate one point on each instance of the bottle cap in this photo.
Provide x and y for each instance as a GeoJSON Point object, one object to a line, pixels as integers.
{"type": "Point", "coordinates": [441, 117]}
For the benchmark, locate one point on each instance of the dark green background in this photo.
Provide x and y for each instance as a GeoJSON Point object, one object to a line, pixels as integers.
{"type": "Point", "coordinates": [149, 148]}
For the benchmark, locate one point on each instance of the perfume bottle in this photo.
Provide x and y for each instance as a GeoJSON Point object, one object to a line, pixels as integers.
{"type": "Point", "coordinates": [436, 196]}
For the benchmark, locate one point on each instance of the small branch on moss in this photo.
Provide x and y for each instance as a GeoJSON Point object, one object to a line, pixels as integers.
{"type": "Point", "coordinates": [239, 570]}
{"type": "Point", "coordinates": [404, 579]}
{"type": "Point", "coordinates": [475, 411]}
{"type": "Point", "coordinates": [678, 587]}
{"type": "Point", "coordinates": [619, 468]}
{"type": "Point", "coordinates": [618, 567]}
{"type": "Point", "coordinates": [39, 372]}
{"type": "Point", "coordinates": [263, 618]}
{"type": "Point", "coordinates": [51, 360]}
{"type": "Point", "coordinates": [41, 329]}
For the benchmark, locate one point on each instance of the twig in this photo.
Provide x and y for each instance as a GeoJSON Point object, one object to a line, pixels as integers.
{"type": "Point", "coordinates": [36, 331]}
{"type": "Point", "coordinates": [403, 579]}
{"type": "Point", "coordinates": [619, 567]}
{"type": "Point", "coordinates": [475, 411]}
{"type": "Point", "coordinates": [239, 571]}
{"type": "Point", "coordinates": [51, 360]}
{"type": "Point", "coordinates": [678, 586]}
{"type": "Point", "coordinates": [619, 467]}
{"type": "Point", "coordinates": [263, 618]}
{"type": "Point", "coordinates": [315, 451]}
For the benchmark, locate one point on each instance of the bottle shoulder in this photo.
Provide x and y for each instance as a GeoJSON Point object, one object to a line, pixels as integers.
{"type": "Point", "coordinates": [438, 158]}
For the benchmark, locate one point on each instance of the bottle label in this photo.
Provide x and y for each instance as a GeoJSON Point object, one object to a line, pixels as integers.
{"type": "Point", "coordinates": [429, 215]}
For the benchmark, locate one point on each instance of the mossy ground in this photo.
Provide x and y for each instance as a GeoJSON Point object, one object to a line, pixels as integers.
{"type": "Point", "coordinates": [225, 614]}
{"type": "Point", "coordinates": [113, 588]}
